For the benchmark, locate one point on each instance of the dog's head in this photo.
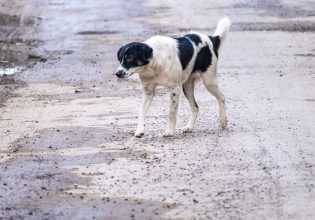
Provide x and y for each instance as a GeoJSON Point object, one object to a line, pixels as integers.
{"type": "Point", "coordinates": [131, 56]}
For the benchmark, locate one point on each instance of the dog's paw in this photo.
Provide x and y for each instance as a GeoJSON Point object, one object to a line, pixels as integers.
{"type": "Point", "coordinates": [139, 134]}
{"type": "Point", "coordinates": [168, 134]}
{"type": "Point", "coordinates": [223, 122]}
{"type": "Point", "coordinates": [187, 129]}
{"type": "Point", "coordinates": [140, 131]}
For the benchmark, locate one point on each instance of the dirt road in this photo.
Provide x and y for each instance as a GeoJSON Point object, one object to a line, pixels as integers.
{"type": "Point", "coordinates": [67, 149]}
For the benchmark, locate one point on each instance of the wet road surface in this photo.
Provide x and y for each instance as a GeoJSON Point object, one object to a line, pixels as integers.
{"type": "Point", "coordinates": [67, 149]}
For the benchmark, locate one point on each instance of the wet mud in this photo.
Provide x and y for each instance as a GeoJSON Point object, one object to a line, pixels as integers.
{"type": "Point", "coordinates": [7, 87]}
{"type": "Point", "coordinates": [289, 26]}
{"type": "Point", "coordinates": [15, 50]}
{"type": "Point", "coordinates": [279, 9]}
{"type": "Point", "coordinates": [67, 149]}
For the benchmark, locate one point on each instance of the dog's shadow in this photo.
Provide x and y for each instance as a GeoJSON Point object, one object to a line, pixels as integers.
{"type": "Point", "coordinates": [181, 137]}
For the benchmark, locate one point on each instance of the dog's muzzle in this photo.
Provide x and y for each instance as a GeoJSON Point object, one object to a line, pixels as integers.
{"type": "Point", "coordinates": [123, 74]}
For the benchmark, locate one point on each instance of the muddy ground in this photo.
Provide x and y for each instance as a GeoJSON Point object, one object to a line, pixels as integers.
{"type": "Point", "coordinates": [67, 149]}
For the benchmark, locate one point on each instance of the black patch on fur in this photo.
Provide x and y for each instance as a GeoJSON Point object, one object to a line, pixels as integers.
{"type": "Point", "coordinates": [134, 54]}
{"type": "Point", "coordinates": [196, 105]}
{"type": "Point", "coordinates": [203, 60]}
{"type": "Point", "coordinates": [194, 38]}
{"type": "Point", "coordinates": [216, 44]}
{"type": "Point", "coordinates": [185, 51]}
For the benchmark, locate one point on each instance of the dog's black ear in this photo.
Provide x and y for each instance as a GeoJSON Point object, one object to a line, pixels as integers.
{"type": "Point", "coordinates": [146, 52]}
{"type": "Point", "coordinates": [119, 54]}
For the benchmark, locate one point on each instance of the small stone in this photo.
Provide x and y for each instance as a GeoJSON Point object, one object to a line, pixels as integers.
{"type": "Point", "coordinates": [226, 206]}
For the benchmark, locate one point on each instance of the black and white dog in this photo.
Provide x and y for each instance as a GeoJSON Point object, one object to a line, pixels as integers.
{"type": "Point", "coordinates": [175, 63]}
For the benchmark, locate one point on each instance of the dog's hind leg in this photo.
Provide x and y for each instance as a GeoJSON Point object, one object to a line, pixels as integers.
{"type": "Point", "coordinates": [148, 94]}
{"type": "Point", "coordinates": [188, 89]}
{"type": "Point", "coordinates": [174, 96]}
{"type": "Point", "coordinates": [210, 82]}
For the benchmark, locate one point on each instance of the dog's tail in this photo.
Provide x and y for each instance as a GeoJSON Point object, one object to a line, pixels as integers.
{"type": "Point", "coordinates": [222, 28]}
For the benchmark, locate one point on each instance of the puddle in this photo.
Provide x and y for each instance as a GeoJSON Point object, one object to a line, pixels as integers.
{"type": "Point", "coordinates": [16, 49]}
{"type": "Point", "coordinates": [10, 71]}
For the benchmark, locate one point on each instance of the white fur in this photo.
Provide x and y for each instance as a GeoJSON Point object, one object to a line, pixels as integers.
{"type": "Point", "coordinates": [165, 69]}
{"type": "Point", "coordinates": [222, 28]}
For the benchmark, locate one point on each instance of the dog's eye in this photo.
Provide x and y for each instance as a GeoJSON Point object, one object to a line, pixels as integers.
{"type": "Point", "coordinates": [129, 59]}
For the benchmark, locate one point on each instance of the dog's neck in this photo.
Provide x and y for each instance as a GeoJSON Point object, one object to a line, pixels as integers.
{"type": "Point", "coordinates": [146, 71]}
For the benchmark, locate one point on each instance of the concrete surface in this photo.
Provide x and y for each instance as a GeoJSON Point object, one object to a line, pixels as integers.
{"type": "Point", "coordinates": [67, 149]}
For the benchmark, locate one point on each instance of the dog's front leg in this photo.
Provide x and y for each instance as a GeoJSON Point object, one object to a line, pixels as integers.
{"type": "Point", "coordinates": [174, 96]}
{"type": "Point", "coordinates": [147, 97]}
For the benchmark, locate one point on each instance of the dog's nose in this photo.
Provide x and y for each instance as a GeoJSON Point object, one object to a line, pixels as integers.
{"type": "Point", "coordinates": [120, 74]}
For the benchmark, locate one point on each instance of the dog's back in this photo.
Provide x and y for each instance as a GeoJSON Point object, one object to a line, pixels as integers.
{"type": "Point", "coordinates": [192, 53]}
